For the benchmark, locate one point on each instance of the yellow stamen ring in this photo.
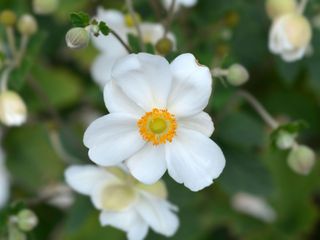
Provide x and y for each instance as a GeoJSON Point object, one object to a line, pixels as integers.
{"type": "Point", "coordinates": [157, 126]}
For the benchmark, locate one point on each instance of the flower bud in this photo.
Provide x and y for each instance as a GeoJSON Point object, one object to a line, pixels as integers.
{"type": "Point", "coordinates": [276, 8]}
{"type": "Point", "coordinates": [164, 46]}
{"type": "Point", "coordinates": [44, 7]}
{"type": "Point", "coordinates": [27, 25]}
{"type": "Point", "coordinates": [285, 140]}
{"type": "Point", "coordinates": [129, 20]}
{"type": "Point", "coordinates": [77, 38]}
{"type": "Point", "coordinates": [13, 111]}
{"type": "Point", "coordinates": [8, 18]}
{"type": "Point", "coordinates": [27, 220]}
{"type": "Point", "coordinates": [237, 75]}
{"type": "Point", "coordinates": [301, 159]}
{"type": "Point", "coordinates": [290, 36]}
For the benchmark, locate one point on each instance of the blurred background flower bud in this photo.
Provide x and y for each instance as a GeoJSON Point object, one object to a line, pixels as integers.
{"type": "Point", "coordinates": [27, 220]}
{"type": "Point", "coordinates": [276, 8]}
{"type": "Point", "coordinates": [13, 111]}
{"type": "Point", "coordinates": [301, 159]}
{"type": "Point", "coordinates": [290, 36]}
{"type": "Point", "coordinates": [44, 7]}
{"type": "Point", "coordinates": [285, 140]}
{"type": "Point", "coordinates": [237, 75]}
{"type": "Point", "coordinates": [129, 20]}
{"type": "Point", "coordinates": [253, 206]}
{"type": "Point", "coordinates": [164, 46]}
{"type": "Point", "coordinates": [8, 18]}
{"type": "Point", "coordinates": [27, 25]}
{"type": "Point", "coordinates": [77, 38]}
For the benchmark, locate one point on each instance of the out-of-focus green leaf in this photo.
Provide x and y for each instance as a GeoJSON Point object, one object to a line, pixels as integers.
{"type": "Point", "coordinates": [79, 19]}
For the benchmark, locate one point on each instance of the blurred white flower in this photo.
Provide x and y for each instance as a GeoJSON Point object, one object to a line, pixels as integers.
{"type": "Point", "coordinates": [276, 8]}
{"type": "Point", "coordinates": [290, 36]}
{"type": "Point", "coordinates": [13, 111]}
{"type": "Point", "coordinates": [4, 180]}
{"type": "Point", "coordinates": [125, 203]}
{"type": "Point", "coordinates": [254, 206]}
{"type": "Point", "coordinates": [301, 159]}
{"type": "Point", "coordinates": [44, 7]}
{"type": "Point", "coordinates": [58, 195]}
{"type": "Point", "coordinates": [179, 3]}
{"type": "Point", "coordinates": [156, 121]}
{"type": "Point", "coordinates": [111, 49]}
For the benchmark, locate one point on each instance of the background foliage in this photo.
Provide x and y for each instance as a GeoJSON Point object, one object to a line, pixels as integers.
{"type": "Point", "coordinates": [219, 33]}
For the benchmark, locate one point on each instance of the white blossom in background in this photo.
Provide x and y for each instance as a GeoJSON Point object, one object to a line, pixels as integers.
{"type": "Point", "coordinates": [4, 180]}
{"type": "Point", "coordinates": [125, 203]}
{"type": "Point", "coordinates": [253, 206]}
{"type": "Point", "coordinates": [156, 121]}
{"type": "Point", "coordinates": [290, 36]}
{"type": "Point", "coordinates": [111, 49]}
{"type": "Point", "coordinates": [179, 3]}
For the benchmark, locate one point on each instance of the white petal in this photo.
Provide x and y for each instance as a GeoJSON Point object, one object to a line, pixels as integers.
{"type": "Point", "coordinates": [117, 102]}
{"type": "Point", "coordinates": [83, 178]}
{"type": "Point", "coordinates": [158, 214]}
{"type": "Point", "coordinates": [194, 159]}
{"type": "Point", "coordinates": [192, 85]}
{"type": "Point", "coordinates": [4, 182]}
{"type": "Point", "coordinates": [112, 139]}
{"type": "Point", "coordinates": [293, 55]}
{"type": "Point", "coordinates": [101, 69]}
{"type": "Point", "coordinates": [128, 221]}
{"type": "Point", "coordinates": [201, 122]}
{"type": "Point", "coordinates": [149, 164]}
{"type": "Point", "coordinates": [144, 78]}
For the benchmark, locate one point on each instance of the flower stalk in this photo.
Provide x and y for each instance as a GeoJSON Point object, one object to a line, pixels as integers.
{"type": "Point", "coordinates": [302, 6]}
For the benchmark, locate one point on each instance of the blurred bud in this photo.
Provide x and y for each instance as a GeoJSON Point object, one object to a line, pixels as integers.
{"type": "Point", "coordinates": [285, 140]}
{"type": "Point", "coordinates": [129, 20]}
{"type": "Point", "coordinates": [164, 46]}
{"type": "Point", "coordinates": [231, 19]}
{"type": "Point", "coordinates": [27, 220]}
{"type": "Point", "coordinates": [276, 8]}
{"type": "Point", "coordinates": [27, 25]}
{"type": "Point", "coordinates": [8, 18]}
{"type": "Point", "coordinates": [290, 36]}
{"type": "Point", "coordinates": [253, 206]}
{"type": "Point", "coordinates": [77, 38]}
{"type": "Point", "coordinates": [44, 7]}
{"type": "Point", "coordinates": [13, 111]}
{"type": "Point", "coordinates": [301, 159]}
{"type": "Point", "coordinates": [237, 75]}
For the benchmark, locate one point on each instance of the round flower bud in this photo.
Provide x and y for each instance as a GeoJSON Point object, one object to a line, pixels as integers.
{"type": "Point", "coordinates": [13, 111]}
{"type": "Point", "coordinates": [285, 140]}
{"type": "Point", "coordinates": [276, 8]}
{"type": "Point", "coordinates": [8, 18]}
{"type": "Point", "coordinates": [77, 38]}
{"type": "Point", "coordinates": [27, 25]}
{"type": "Point", "coordinates": [301, 159]}
{"type": "Point", "coordinates": [237, 75]}
{"type": "Point", "coordinates": [290, 36]}
{"type": "Point", "coordinates": [164, 46]}
{"type": "Point", "coordinates": [44, 7]}
{"type": "Point", "coordinates": [27, 220]}
{"type": "Point", "coordinates": [129, 20]}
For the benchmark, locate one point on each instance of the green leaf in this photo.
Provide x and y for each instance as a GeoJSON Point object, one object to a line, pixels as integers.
{"type": "Point", "coordinates": [79, 19]}
{"type": "Point", "coordinates": [104, 29]}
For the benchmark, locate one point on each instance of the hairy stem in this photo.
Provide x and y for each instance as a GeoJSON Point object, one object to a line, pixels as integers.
{"type": "Point", "coordinates": [135, 23]}
{"type": "Point", "coordinates": [168, 21]}
{"type": "Point", "coordinates": [11, 41]}
{"type": "Point", "coordinates": [302, 6]}
{"type": "Point", "coordinates": [121, 41]}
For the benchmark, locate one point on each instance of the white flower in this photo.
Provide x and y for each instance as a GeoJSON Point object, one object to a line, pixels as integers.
{"type": "Point", "coordinates": [125, 203]}
{"type": "Point", "coordinates": [4, 180]}
{"type": "Point", "coordinates": [111, 49]}
{"type": "Point", "coordinates": [290, 36]}
{"type": "Point", "coordinates": [156, 121]}
{"type": "Point", "coordinates": [13, 111]}
{"type": "Point", "coordinates": [179, 3]}
{"type": "Point", "coordinates": [254, 206]}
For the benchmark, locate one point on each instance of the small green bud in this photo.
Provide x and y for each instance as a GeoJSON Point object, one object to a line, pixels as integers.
{"type": "Point", "coordinates": [8, 18]}
{"type": "Point", "coordinates": [285, 140]}
{"type": "Point", "coordinates": [44, 7]}
{"type": "Point", "coordinates": [164, 46]}
{"type": "Point", "coordinates": [301, 159]}
{"type": "Point", "coordinates": [27, 25]}
{"type": "Point", "coordinates": [27, 220]}
{"type": "Point", "coordinates": [237, 75]}
{"type": "Point", "coordinates": [77, 38]}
